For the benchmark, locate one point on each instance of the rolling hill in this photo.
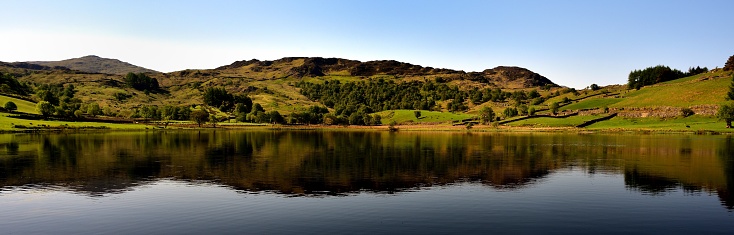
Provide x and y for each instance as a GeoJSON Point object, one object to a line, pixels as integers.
{"type": "Point", "coordinates": [95, 64]}
{"type": "Point", "coordinates": [274, 85]}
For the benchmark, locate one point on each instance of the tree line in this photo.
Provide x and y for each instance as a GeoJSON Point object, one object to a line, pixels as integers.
{"type": "Point", "coordinates": [9, 84]}
{"type": "Point", "coordinates": [657, 74]}
{"type": "Point", "coordinates": [380, 95]}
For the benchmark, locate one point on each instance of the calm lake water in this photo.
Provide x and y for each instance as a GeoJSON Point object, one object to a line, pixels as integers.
{"type": "Point", "coordinates": [319, 182]}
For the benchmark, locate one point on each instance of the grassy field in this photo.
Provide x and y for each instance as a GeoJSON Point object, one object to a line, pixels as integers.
{"type": "Point", "coordinates": [8, 123]}
{"type": "Point", "coordinates": [592, 103]}
{"type": "Point", "coordinates": [692, 123]}
{"type": "Point", "coordinates": [553, 122]}
{"type": "Point", "coordinates": [408, 116]}
{"type": "Point", "coordinates": [706, 88]}
{"type": "Point", "coordinates": [23, 106]}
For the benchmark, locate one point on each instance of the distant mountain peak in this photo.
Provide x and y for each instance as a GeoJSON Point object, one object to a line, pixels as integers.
{"type": "Point", "coordinates": [96, 64]}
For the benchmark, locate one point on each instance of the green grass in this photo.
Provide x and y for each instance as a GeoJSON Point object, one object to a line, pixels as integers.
{"type": "Point", "coordinates": [23, 106]}
{"type": "Point", "coordinates": [694, 123]}
{"type": "Point", "coordinates": [408, 116]}
{"type": "Point", "coordinates": [7, 123]}
{"type": "Point", "coordinates": [592, 103]}
{"type": "Point", "coordinates": [706, 88]}
{"type": "Point", "coordinates": [554, 122]}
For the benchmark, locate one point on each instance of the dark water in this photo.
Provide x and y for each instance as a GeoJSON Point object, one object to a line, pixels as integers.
{"type": "Point", "coordinates": [267, 182]}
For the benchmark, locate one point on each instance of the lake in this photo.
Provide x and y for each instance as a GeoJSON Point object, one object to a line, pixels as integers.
{"type": "Point", "coordinates": [352, 182]}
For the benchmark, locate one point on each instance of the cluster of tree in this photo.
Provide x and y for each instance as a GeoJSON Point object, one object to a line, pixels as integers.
{"type": "Point", "coordinates": [652, 75]}
{"type": "Point", "coordinates": [141, 82]}
{"type": "Point", "coordinates": [486, 115]}
{"type": "Point", "coordinates": [9, 84]}
{"type": "Point", "coordinates": [726, 111]}
{"type": "Point", "coordinates": [313, 115]}
{"type": "Point", "coordinates": [58, 100]}
{"type": "Point", "coordinates": [220, 98]}
{"type": "Point", "coordinates": [373, 96]}
{"type": "Point", "coordinates": [167, 112]}
{"type": "Point", "coordinates": [729, 65]}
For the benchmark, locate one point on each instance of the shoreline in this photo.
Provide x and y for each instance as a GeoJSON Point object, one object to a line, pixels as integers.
{"type": "Point", "coordinates": [400, 128]}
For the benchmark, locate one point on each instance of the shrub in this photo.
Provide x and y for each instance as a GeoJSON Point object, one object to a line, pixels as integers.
{"type": "Point", "coordinates": [10, 106]}
{"type": "Point", "coordinates": [686, 112]}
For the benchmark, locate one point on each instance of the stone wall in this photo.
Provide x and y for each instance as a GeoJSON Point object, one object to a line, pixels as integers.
{"type": "Point", "coordinates": [664, 112]}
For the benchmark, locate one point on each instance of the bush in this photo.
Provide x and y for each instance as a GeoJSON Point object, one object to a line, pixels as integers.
{"type": "Point", "coordinates": [10, 106]}
{"type": "Point", "coordinates": [726, 113]}
{"type": "Point", "coordinates": [594, 87]}
{"type": "Point", "coordinates": [686, 112]}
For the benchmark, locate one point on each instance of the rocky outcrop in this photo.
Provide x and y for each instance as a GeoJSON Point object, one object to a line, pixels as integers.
{"type": "Point", "coordinates": [665, 112]}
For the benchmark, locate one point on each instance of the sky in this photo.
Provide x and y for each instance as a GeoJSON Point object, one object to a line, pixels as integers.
{"type": "Point", "coordinates": [573, 43]}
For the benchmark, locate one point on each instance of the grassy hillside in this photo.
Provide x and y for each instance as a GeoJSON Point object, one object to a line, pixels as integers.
{"type": "Point", "coordinates": [591, 103]}
{"type": "Point", "coordinates": [554, 122]}
{"type": "Point", "coordinates": [706, 88]}
{"type": "Point", "coordinates": [273, 85]}
{"type": "Point", "coordinates": [692, 123]}
{"type": "Point", "coordinates": [23, 106]}
{"type": "Point", "coordinates": [427, 117]}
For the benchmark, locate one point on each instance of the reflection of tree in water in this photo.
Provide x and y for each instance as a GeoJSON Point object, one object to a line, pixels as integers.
{"type": "Point", "coordinates": [653, 185]}
{"type": "Point", "coordinates": [657, 184]}
{"type": "Point", "coordinates": [320, 162]}
{"type": "Point", "coordinates": [726, 154]}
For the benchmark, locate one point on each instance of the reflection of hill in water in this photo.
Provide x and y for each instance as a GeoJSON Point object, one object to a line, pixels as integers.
{"type": "Point", "coordinates": [344, 162]}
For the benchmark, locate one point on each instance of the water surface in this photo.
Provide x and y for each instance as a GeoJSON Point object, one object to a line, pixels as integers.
{"type": "Point", "coordinates": [272, 182]}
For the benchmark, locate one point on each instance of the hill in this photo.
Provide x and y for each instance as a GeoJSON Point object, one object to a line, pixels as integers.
{"type": "Point", "coordinates": [93, 64]}
{"type": "Point", "coordinates": [352, 89]}
{"type": "Point", "coordinates": [299, 67]}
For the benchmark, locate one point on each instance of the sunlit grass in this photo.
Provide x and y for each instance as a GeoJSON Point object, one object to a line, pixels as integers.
{"type": "Point", "coordinates": [408, 116]}
{"type": "Point", "coordinates": [706, 88]}
{"type": "Point", "coordinates": [591, 103]}
{"type": "Point", "coordinates": [9, 123]}
{"type": "Point", "coordinates": [692, 123]}
{"type": "Point", "coordinates": [554, 122]}
{"type": "Point", "coordinates": [23, 106]}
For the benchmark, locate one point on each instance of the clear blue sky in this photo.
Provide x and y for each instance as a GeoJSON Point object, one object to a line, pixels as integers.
{"type": "Point", "coordinates": [574, 43]}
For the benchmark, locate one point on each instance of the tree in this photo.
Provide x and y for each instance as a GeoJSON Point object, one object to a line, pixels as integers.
{"type": "Point", "coordinates": [486, 114]}
{"type": "Point", "coordinates": [93, 109]}
{"type": "Point", "coordinates": [509, 112]}
{"type": "Point", "coordinates": [45, 108]}
{"type": "Point", "coordinates": [275, 117]}
{"type": "Point", "coordinates": [392, 127]}
{"type": "Point", "coordinates": [554, 108]}
{"type": "Point", "coordinates": [10, 106]}
{"type": "Point", "coordinates": [522, 109]}
{"type": "Point", "coordinates": [730, 94]}
{"type": "Point", "coordinates": [726, 113]}
{"type": "Point", "coordinates": [213, 120]}
{"type": "Point", "coordinates": [417, 114]}
{"type": "Point", "coordinates": [216, 96]}
{"type": "Point", "coordinates": [257, 108]}
{"type": "Point", "coordinates": [200, 116]}
{"type": "Point", "coordinates": [141, 82]}
{"type": "Point", "coordinates": [78, 114]}
{"type": "Point", "coordinates": [652, 75]}
{"type": "Point", "coordinates": [531, 111]}
{"type": "Point", "coordinates": [729, 65]}
{"type": "Point", "coordinates": [594, 87]}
